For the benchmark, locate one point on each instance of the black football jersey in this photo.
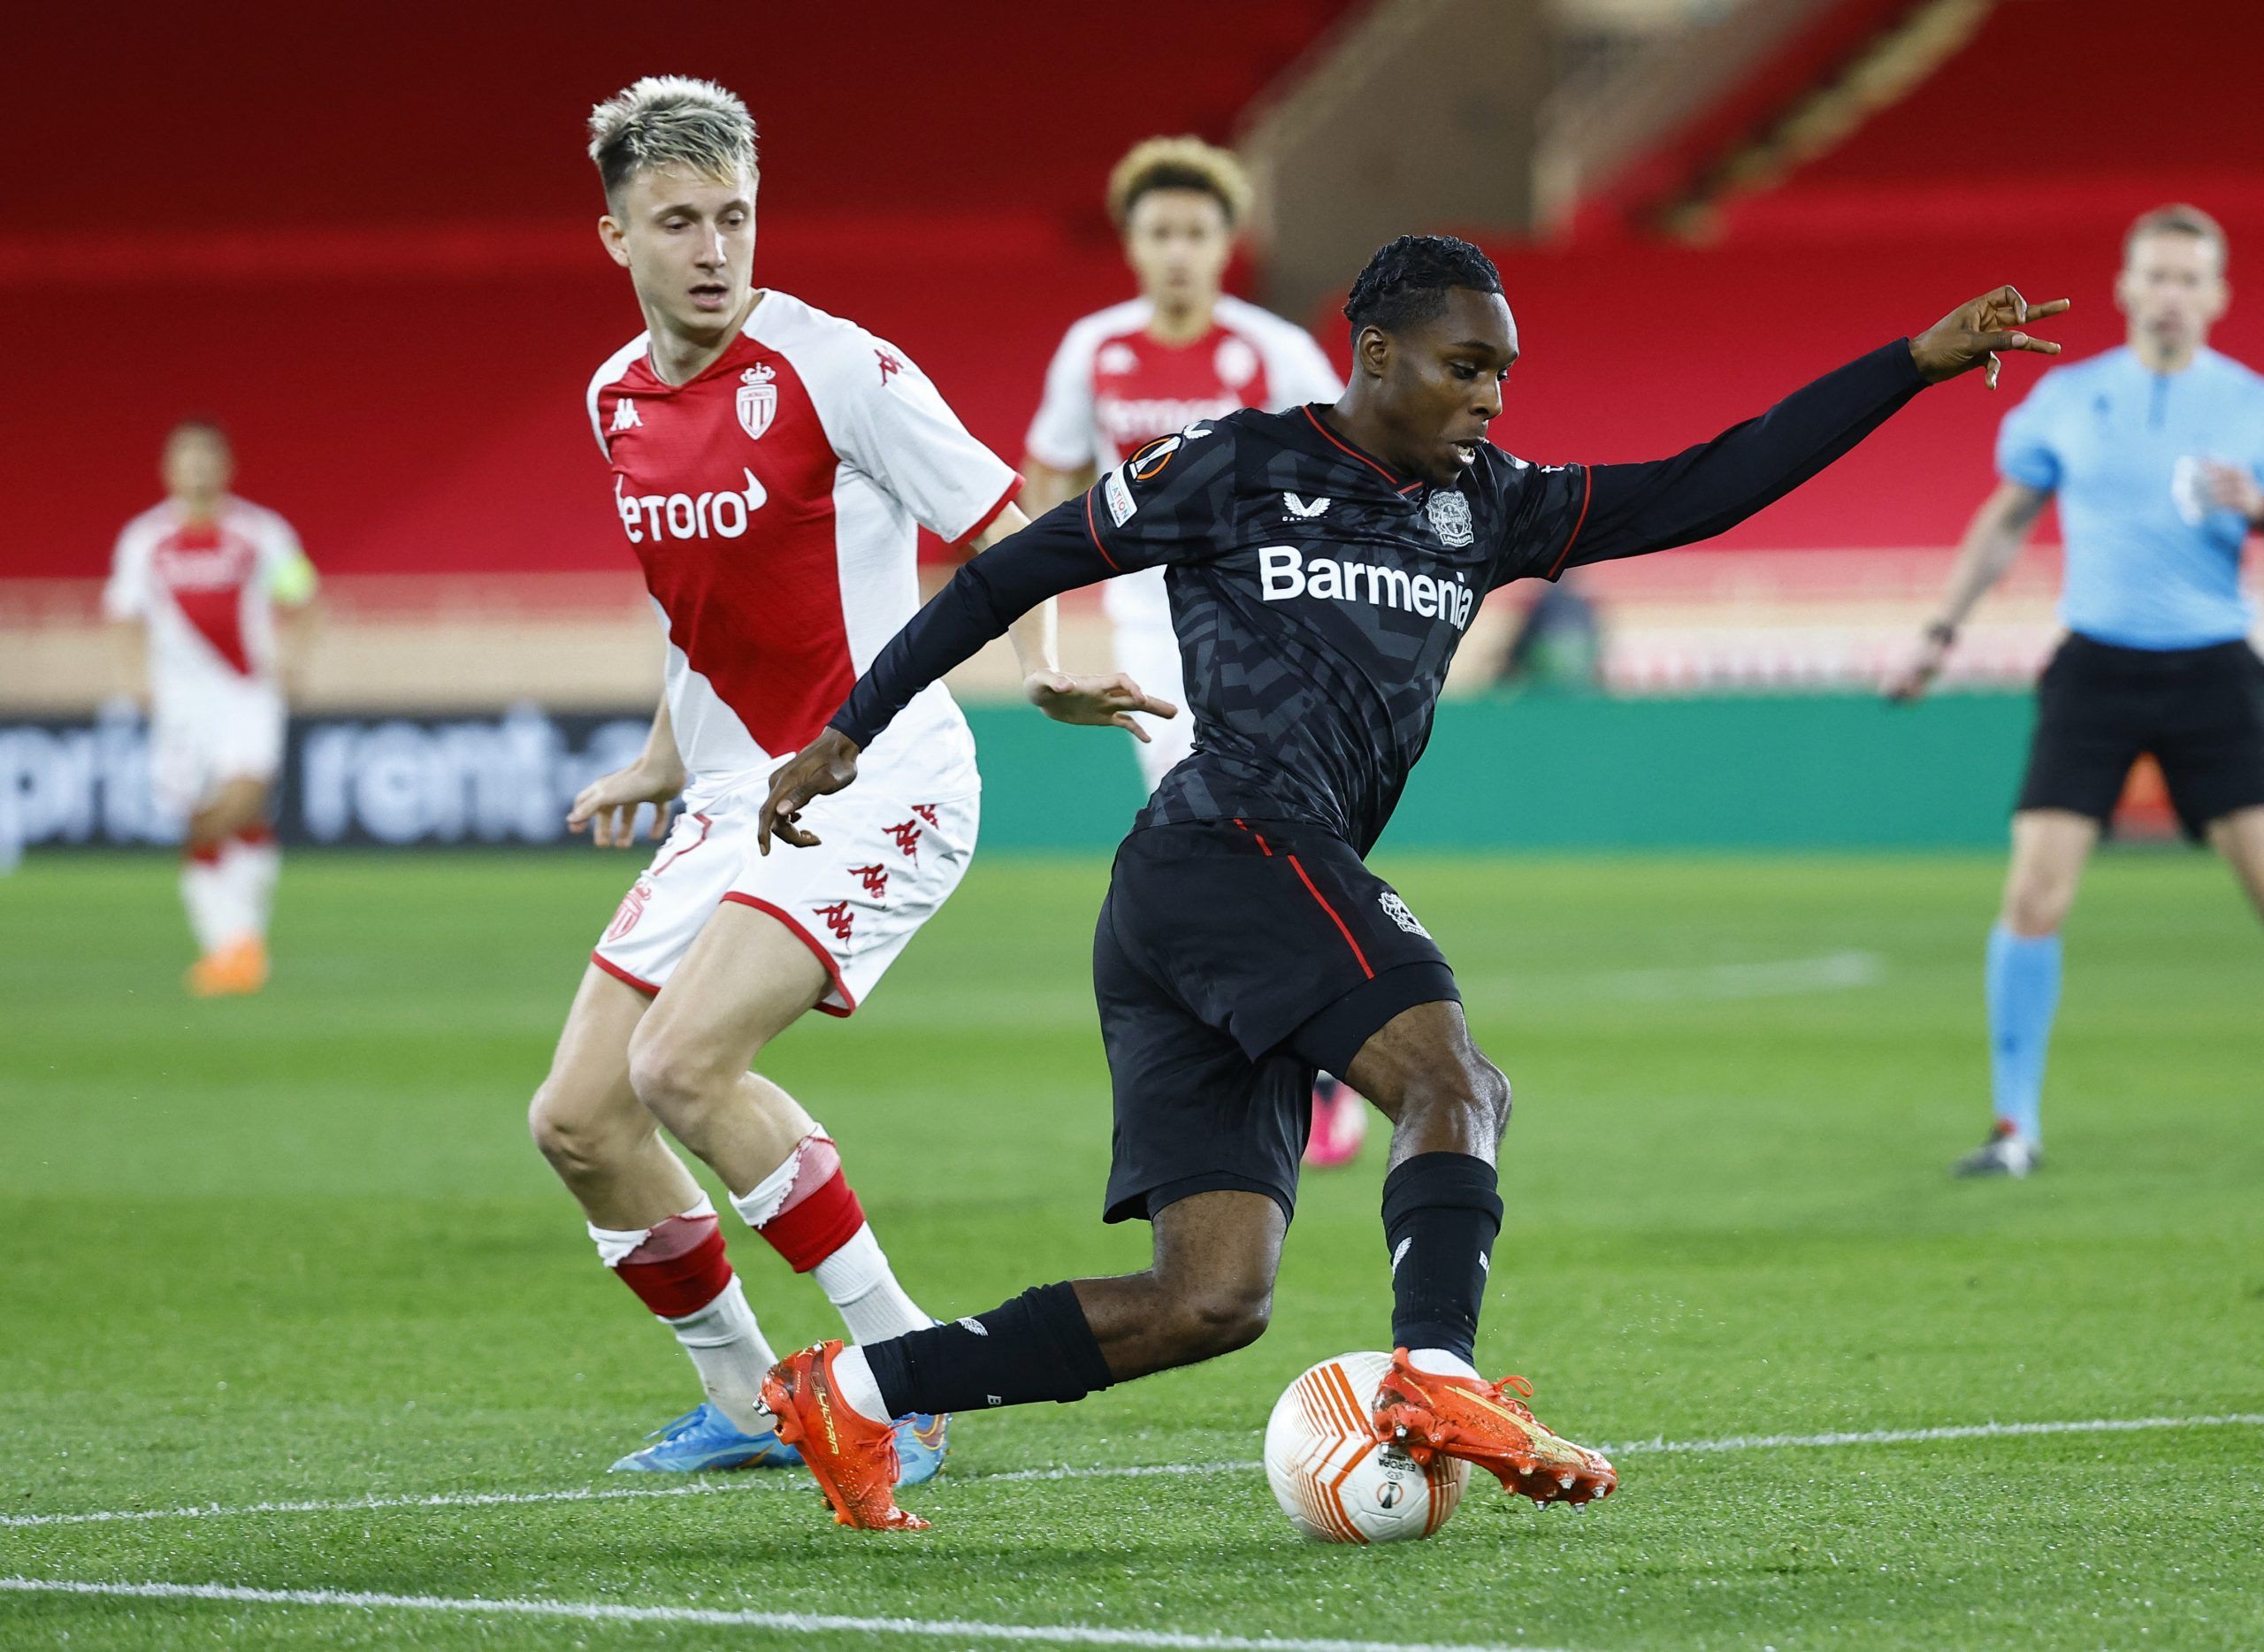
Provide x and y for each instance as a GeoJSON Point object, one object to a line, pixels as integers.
{"type": "Point", "coordinates": [1318, 598]}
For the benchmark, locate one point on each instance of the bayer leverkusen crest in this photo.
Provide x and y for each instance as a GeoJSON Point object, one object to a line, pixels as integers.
{"type": "Point", "coordinates": [758, 399]}
{"type": "Point", "coordinates": [1450, 513]}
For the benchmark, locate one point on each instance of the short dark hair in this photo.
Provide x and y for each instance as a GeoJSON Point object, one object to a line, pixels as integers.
{"type": "Point", "coordinates": [1408, 280]}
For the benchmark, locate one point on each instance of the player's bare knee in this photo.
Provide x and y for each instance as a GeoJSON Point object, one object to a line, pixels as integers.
{"type": "Point", "coordinates": [1465, 1084]}
{"type": "Point", "coordinates": [1219, 1316]}
{"type": "Point", "coordinates": [671, 1079]}
{"type": "Point", "coordinates": [571, 1138]}
{"type": "Point", "coordinates": [1490, 1094]}
{"type": "Point", "coordinates": [2036, 906]}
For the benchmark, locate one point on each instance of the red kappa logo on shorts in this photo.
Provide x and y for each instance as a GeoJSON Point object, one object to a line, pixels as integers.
{"type": "Point", "coordinates": [925, 811]}
{"type": "Point", "coordinates": [837, 918]}
{"type": "Point", "coordinates": [908, 838]}
{"type": "Point", "coordinates": [874, 877]}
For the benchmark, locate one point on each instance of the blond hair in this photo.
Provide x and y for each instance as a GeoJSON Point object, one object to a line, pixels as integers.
{"type": "Point", "coordinates": [670, 120]}
{"type": "Point", "coordinates": [1178, 164]}
{"type": "Point", "coordinates": [2178, 218]}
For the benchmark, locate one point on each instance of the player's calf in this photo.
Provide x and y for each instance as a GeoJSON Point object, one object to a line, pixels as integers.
{"type": "Point", "coordinates": [677, 1269]}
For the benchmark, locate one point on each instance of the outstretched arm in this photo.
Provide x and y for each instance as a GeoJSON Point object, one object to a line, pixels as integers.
{"type": "Point", "coordinates": [1056, 552]}
{"type": "Point", "coordinates": [1634, 508]}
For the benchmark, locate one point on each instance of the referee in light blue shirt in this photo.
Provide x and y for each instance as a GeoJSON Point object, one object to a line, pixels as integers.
{"type": "Point", "coordinates": [2155, 452]}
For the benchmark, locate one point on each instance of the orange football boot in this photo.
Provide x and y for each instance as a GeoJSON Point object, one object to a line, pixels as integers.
{"type": "Point", "coordinates": [237, 967]}
{"type": "Point", "coordinates": [1490, 1425]}
{"type": "Point", "coordinates": [852, 1458]}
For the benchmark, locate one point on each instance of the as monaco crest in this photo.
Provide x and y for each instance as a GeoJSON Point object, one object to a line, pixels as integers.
{"type": "Point", "coordinates": [1450, 513]}
{"type": "Point", "coordinates": [758, 399]}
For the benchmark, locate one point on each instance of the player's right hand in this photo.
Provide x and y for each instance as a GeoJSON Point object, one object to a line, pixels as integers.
{"type": "Point", "coordinates": [608, 806]}
{"type": "Point", "coordinates": [1916, 674]}
{"type": "Point", "coordinates": [825, 765]}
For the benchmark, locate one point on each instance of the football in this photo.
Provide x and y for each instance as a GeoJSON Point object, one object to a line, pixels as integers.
{"type": "Point", "coordinates": [1335, 1479]}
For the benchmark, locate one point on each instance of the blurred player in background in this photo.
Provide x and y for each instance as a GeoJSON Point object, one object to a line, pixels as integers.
{"type": "Point", "coordinates": [2154, 452]}
{"type": "Point", "coordinates": [1181, 352]}
{"type": "Point", "coordinates": [194, 589]}
{"type": "Point", "coordinates": [771, 465]}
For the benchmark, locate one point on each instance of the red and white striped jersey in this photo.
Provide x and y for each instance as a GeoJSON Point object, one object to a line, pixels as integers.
{"type": "Point", "coordinates": [206, 591]}
{"type": "Point", "coordinates": [774, 502]}
{"type": "Point", "coordinates": [1111, 389]}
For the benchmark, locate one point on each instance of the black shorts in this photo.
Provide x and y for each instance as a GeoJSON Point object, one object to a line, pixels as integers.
{"type": "Point", "coordinates": [2198, 711]}
{"type": "Point", "coordinates": [1232, 960]}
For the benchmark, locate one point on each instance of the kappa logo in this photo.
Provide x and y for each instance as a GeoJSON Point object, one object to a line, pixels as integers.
{"type": "Point", "coordinates": [838, 919]}
{"type": "Point", "coordinates": [1305, 508]}
{"type": "Point", "coordinates": [624, 417]}
{"type": "Point", "coordinates": [1396, 909]}
{"type": "Point", "coordinates": [974, 1325]}
{"type": "Point", "coordinates": [890, 365]}
{"type": "Point", "coordinates": [907, 839]}
{"type": "Point", "coordinates": [757, 401]}
{"type": "Point", "coordinates": [1450, 513]}
{"type": "Point", "coordinates": [874, 877]}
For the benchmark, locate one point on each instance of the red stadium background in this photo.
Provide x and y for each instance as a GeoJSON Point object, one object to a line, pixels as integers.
{"type": "Point", "coordinates": [363, 238]}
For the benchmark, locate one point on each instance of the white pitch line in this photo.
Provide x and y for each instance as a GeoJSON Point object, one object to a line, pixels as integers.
{"type": "Point", "coordinates": [1961, 1431]}
{"type": "Point", "coordinates": [786, 1481]}
{"type": "Point", "coordinates": [793, 1622]}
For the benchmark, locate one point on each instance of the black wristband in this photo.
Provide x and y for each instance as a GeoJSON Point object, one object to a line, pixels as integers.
{"type": "Point", "coordinates": [1941, 631]}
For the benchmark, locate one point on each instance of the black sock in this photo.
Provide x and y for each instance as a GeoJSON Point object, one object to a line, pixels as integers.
{"type": "Point", "coordinates": [1037, 1347]}
{"type": "Point", "coordinates": [1441, 1214]}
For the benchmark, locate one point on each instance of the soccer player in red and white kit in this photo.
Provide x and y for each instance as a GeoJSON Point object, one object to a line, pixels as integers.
{"type": "Point", "coordinates": [771, 465]}
{"type": "Point", "coordinates": [1181, 352]}
{"type": "Point", "coordinates": [194, 588]}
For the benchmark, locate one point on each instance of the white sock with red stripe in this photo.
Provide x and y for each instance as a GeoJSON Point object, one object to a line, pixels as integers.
{"type": "Point", "coordinates": [677, 1269]}
{"type": "Point", "coordinates": [806, 1209]}
{"type": "Point", "coordinates": [251, 861]}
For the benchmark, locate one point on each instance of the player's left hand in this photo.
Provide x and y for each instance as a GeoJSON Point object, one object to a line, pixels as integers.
{"type": "Point", "coordinates": [2231, 488]}
{"type": "Point", "coordinates": [1971, 336]}
{"type": "Point", "coordinates": [825, 765]}
{"type": "Point", "coordinates": [1098, 701]}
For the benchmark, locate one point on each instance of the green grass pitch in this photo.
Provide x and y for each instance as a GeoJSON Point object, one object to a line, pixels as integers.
{"type": "Point", "coordinates": [298, 1250]}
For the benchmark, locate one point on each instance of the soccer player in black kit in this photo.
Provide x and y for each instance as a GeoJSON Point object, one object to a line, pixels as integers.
{"type": "Point", "coordinates": [1324, 563]}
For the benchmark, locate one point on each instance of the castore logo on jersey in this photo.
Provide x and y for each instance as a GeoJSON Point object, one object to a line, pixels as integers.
{"type": "Point", "coordinates": [720, 516]}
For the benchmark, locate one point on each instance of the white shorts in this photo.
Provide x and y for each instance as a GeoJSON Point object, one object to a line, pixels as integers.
{"type": "Point", "coordinates": [1147, 650]}
{"type": "Point", "coordinates": [198, 747]}
{"type": "Point", "coordinates": [881, 869]}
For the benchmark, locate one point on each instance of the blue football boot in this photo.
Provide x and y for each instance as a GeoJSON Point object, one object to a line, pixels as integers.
{"type": "Point", "coordinates": [704, 1438]}
{"type": "Point", "coordinates": [922, 1442]}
